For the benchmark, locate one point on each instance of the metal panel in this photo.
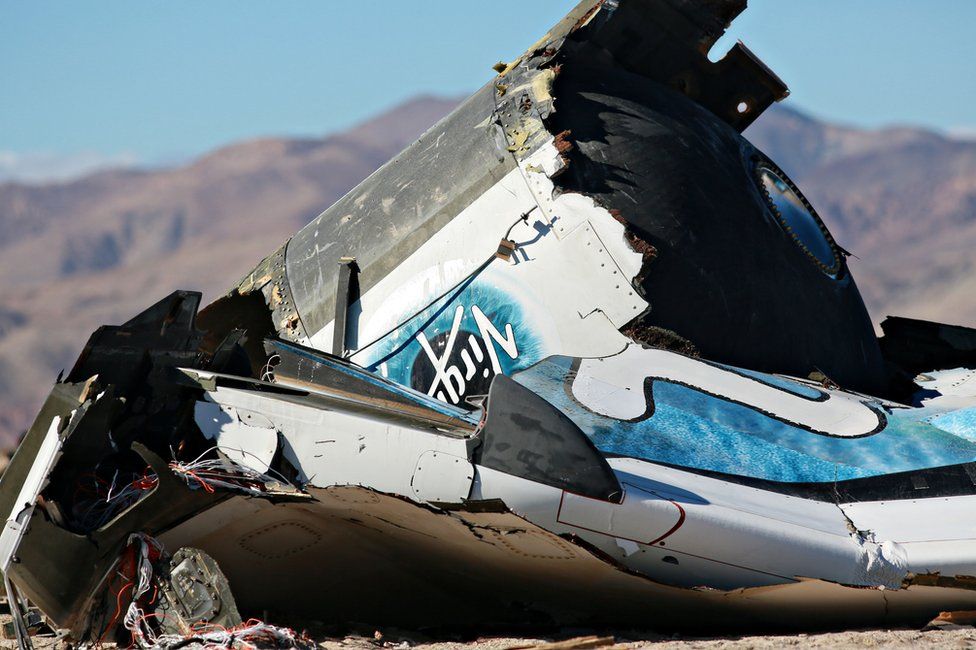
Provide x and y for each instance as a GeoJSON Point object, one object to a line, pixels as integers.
{"type": "Point", "coordinates": [246, 438]}
{"type": "Point", "coordinates": [643, 516]}
{"type": "Point", "coordinates": [330, 447]}
{"type": "Point", "coordinates": [396, 209]}
{"type": "Point", "coordinates": [918, 520]}
{"type": "Point", "coordinates": [13, 528]}
{"type": "Point", "coordinates": [441, 477]}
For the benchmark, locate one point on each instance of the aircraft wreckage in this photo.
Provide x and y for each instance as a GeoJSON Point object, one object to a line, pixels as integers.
{"type": "Point", "coordinates": [579, 355]}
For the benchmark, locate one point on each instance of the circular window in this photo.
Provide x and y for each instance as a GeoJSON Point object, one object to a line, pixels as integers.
{"type": "Point", "coordinates": [798, 218]}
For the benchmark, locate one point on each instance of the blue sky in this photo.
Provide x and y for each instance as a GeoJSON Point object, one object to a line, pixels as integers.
{"type": "Point", "coordinates": [125, 81]}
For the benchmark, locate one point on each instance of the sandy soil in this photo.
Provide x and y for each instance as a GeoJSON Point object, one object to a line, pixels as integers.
{"type": "Point", "coordinates": [960, 638]}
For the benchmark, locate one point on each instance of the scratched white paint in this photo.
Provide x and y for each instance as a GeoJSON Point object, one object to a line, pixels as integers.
{"type": "Point", "coordinates": [577, 285]}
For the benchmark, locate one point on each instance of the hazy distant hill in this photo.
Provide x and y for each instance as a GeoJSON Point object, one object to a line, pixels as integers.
{"type": "Point", "coordinates": [99, 249]}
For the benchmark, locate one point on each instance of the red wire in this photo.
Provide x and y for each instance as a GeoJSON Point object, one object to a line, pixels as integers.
{"type": "Point", "coordinates": [118, 611]}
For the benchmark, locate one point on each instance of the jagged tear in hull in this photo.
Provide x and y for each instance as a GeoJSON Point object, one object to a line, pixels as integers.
{"type": "Point", "coordinates": [683, 182]}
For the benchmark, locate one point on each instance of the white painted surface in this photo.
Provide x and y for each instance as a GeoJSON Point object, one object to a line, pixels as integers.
{"type": "Point", "coordinates": [566, 212]}
{"type": "Point", "coordinates": [731, 535]}
{"type": "Point", "coordinates": [641, 517]}
{"type": "Point", "coordinates": [20, 514]}
{"type": "Point", "coordinates": [918, 520]}
{"type": "Point", "coordinates": [947, 558]}
{"type": "Point", "coordinates": [955, 388]}
{"type": "Point", "coordinates": [441, 477]}
{"type": "Point", "coordinates": [957, 382]}
{"type": "Point", "coordinates": [249, 439]}
{"type": "Point", "coordinates": [674, 526]}
{"type": "Point", "coordinates": [331, 448]}
{"type": "Point", "coordinates": [575, 287]}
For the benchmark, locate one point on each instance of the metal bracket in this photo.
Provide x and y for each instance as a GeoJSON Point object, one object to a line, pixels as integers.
{"type": "Point", "coordinates": [346, 290]}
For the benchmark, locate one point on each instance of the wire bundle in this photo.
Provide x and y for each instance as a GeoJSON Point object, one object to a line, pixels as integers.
{"type": "Point", "coordinates": [250, 634]}
{"type": "Point", "coordinates": [99, 500]}
{"type": "Point", "coordinates": [148, 551]}
{"type": "Point", "coordinates": [211, 474]}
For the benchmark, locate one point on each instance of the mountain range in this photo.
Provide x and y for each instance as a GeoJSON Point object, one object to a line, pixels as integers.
{"type": "Point", "coordinates": [98, 249]}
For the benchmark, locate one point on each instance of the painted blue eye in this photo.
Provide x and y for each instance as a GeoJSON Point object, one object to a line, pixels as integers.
{"type": "Point", "coordinates": [798, 218]}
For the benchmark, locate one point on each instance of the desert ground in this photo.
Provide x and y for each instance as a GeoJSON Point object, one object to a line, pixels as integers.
{"type": "Point", "coordinates": [960, 637]}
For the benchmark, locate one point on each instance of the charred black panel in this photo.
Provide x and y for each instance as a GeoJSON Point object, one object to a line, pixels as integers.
{"type": "Point", "coordinates": [727, 275]}
{"type": "Point", "coordinates": [163, 334]}
{"type": "Point", "coordinates": [917, 346]}
{"type": "Point", "coordinates": [235, 311]}
{"type": "Point", "coordinates": [526, 436]}
{"type": "Point", "coordinates": [668, 41]}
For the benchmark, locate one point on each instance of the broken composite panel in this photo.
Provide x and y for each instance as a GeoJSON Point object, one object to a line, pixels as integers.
{"type": "Point", "coordinates": [579, 355]}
